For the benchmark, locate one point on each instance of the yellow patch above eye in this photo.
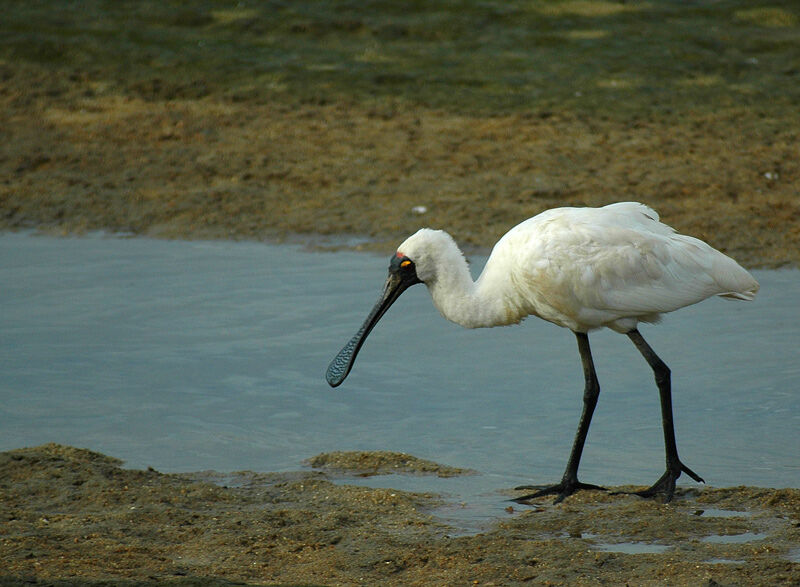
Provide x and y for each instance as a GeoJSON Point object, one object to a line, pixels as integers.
{"type": "Point", "coordinates": [405, 263]}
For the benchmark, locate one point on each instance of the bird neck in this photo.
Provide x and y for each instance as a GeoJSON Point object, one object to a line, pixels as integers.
{"type": "Point", "coordinates": [469, 303]}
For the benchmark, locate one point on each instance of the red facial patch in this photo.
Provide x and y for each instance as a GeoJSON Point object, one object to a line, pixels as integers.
{"type": "Point", "coordinates": [399, 255]}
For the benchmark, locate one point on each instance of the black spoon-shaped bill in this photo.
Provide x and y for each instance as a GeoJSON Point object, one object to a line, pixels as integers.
{"type": "Point", "coordinates": [401, 277]}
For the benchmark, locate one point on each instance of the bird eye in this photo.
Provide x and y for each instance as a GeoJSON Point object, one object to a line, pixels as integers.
{"type": "Point", "coordinates": [401, 263]}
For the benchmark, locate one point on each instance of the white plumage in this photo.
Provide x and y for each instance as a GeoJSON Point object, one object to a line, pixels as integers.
{"type": "Point", "coordinates": [580, 268]}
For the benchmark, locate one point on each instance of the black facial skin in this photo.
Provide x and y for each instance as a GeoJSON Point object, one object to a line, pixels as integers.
{"type": "Point", "coordinates": [402, 275]}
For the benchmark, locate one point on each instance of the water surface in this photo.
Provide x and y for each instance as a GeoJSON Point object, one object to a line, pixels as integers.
{"type": "Point", "coordinates": [188, 356]}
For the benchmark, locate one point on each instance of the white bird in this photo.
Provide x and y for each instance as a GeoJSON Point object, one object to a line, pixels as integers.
{"type": "Point", "coordinates": [580, 268]}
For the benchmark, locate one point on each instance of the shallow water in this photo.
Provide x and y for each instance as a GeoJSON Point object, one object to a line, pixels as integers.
{"type": "Point", "coordinates": [735, 538]}
{"type": "Point", "coordinates": [627, 547]}
{"type": "Point", "coordinates": [188, 356]}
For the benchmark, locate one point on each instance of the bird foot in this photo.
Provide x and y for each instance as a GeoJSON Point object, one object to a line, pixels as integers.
{"type": "Point", "coordinates": [666, 483]}
{"type": "Point", "coordinates": [560, 490]}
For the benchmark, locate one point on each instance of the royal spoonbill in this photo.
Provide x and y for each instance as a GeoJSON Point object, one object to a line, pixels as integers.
{"type": "Point", "coordinates": [579, 268]}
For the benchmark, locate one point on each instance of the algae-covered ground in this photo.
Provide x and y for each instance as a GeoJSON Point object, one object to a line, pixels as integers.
{"type": "Point", "coordinates": [74, 517]}
{"type": "Point", "coordinates": [271, 119]}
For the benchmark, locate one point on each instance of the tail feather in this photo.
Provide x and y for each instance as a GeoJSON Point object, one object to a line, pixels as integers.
{"type": "Point", "coordinates": [747, 296]}
{"type": "Point", "coordinates": [733, 280]}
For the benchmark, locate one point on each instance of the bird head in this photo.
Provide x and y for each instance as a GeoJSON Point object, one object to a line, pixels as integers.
{"type": "Point", "coordinates": [428, 250]}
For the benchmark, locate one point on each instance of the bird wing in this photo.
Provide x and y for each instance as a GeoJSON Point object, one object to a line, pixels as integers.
{"type": "Point", "coordinates": [594, 265]}
{"type": "Point", "coordinates": [654, 273]}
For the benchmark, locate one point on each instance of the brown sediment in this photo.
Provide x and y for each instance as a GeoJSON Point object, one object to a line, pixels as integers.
{"type": "Point", "coordinates": [213, 169]}
{"type": "Point", "coordinates": [71, 516]}
{"type": "Point", "coordinates": [380, 462]}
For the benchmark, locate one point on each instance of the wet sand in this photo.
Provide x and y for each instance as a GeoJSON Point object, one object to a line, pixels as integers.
{"type": "Point", "coordinates": [70, 516]}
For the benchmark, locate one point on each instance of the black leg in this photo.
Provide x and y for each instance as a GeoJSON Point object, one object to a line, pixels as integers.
{"type": "Point", "coordinates": [569, 482]}
{"type": "Point", "coordinates": [666, 484]}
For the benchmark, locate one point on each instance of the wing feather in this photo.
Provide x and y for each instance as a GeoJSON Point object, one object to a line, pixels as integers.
{"type": "Point", "coordinates": [588, 267]}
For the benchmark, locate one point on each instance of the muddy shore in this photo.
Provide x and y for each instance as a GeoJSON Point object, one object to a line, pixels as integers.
{"type": "Point", "coordinates": [205, 169]}
{"type": "Point", "coordinates": [70, 516]}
